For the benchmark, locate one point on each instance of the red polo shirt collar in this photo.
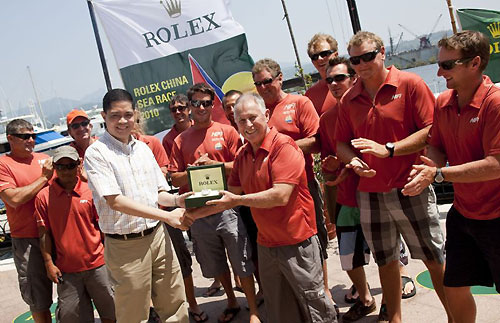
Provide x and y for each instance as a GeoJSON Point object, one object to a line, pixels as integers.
{"type": "Point", "coordinates": [392, 79]}
{"type": "Point", "coordinates": [477, 99]}
{"type": "Point", "coordinates": [58, 189]}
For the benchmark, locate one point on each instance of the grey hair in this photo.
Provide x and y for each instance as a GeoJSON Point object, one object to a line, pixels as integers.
{"type": "Point", "coordinates": [253, 97]}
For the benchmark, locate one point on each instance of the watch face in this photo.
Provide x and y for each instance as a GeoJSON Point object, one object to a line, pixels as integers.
{"type": "Point", "coordinates": [439, 176]}
{"type": "Point", "coordinates": [389, 145]}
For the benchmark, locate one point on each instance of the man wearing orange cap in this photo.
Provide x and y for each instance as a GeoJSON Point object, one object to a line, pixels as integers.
{"type": "Point", "coordinates": [79, 128]}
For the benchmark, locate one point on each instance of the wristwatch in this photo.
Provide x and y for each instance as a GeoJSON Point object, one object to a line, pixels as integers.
{"type": "Point", "coordinates": [390, 148]}
{"type": "Point", "coordinates": [439, 178]}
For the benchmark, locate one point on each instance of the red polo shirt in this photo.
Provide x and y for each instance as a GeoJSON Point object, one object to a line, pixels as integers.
{"type": "Point", "coordinates": [346, 190]}
{"type": "Point", "coordinates": [80, 151]}
{"type": "Point", "coordinates": [168, 140]}
{"type": "Point", "coordinates": [219, 141]}
{"type": "Point", "coordinates": [156, 147]}
{"type": "Point", "coordinates": [296, 117]}
{"type": "Point", "coordinates": [72, 220]}
{"type": "Point", "coordinates": [321, 97]}
{"type": "Point", "coordinates": [402, 106]}
{"type": "Point", "coordinates": [470, 135]}
{"type": "Point", "coordinates": [277, 161]}
{"type": "Point", "coordinates": [15, 173]}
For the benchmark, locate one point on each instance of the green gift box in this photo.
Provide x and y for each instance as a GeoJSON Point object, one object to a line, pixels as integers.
{"type": "Point", "coordinates": [206, 182]}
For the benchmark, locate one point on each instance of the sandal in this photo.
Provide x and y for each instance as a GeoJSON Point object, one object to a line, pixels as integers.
{"type": "Point", "coordinates": [231, 312]}
{"type": "Point", "coordinates": [406, 280]}
{"type": "Point", "coordinates": [352, 299]}
{"type": "Point", "coordinates": [383, 317]}
{"type": "Point", "coordinates": [211, 291]}
{"type": "Point", "coordinates": [198, 317]}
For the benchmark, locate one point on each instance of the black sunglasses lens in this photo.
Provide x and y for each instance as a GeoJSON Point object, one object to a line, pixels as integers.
{"type": "Point", "coordinates": [65, 166]}
{"type": "Point", "coordinates": [322, 54]}
{"type": "Point", "coordinates": [265, 82]}
{"type": "Point", "coordinates": [447, 65]}
{"type": "Point", "coordinates": [367, 57]}
{"type": "Point", "coordinates": [355, 60]}
{"type": "Point", "coordinates": [77, 125]}
{"type": "Point", "coordinates": [199, 103]}
{"type": "Point", "coordinates": [340, 77]}
{"type": "Point", "coordinates": [179, 108]}
{"type": "Point", "coordinates": [25, 136]}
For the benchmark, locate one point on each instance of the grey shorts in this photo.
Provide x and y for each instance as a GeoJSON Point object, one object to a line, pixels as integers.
{"type": "Point", "coordinates": [385, 217]}
{"type": "Point", "coordinates": [216, 233]}
{"type": "Point", "coordinates": [292, 280]}
{"type": "Point", "coordinates": [79, 290]}
{"type": "Point", "coordinates": [181, 250]}
{"type": "Point", "coordinates": [36, 288]}
{"type": "Point", "coordinates": [315, 191]}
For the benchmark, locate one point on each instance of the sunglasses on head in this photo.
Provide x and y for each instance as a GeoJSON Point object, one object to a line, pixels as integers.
{"type": "Point", "coordinates": [366, 57]}
{"type": "Point", "coordinates": [204, 103]}
{"type": "Point", "coordinates": [264, 82]}
{"type": "Point", "coordinates": [76, 125]}
{"type": "Point", "coordinates": [337, 78]}
{"type": "Point", "coordinates": [25, 136]}
{"type": "Point", "coordinates": [179, 108]}
{"type": "Point", "coordinates": [69, 166]}
{"type": "Point", "coordinates": [450, 64]}
{"type": "Point", "coordinates": [323, 54]}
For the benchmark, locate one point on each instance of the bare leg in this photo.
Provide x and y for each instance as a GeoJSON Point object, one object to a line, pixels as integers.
{"type": "Point", "coordinates": [461, 303]}
{"type": "Point", "coordinates": [42, 317]}
{"type": "Point", "coordinates": [391, 287]}
{"type": "Point", "coordinates": [191, 299]}
{"type": "Point", "coordinates": [248, 285]}
{"type": "Point", "coordinates": [325, 281]}
{"type": "Point", "coordinates": [237, 281]}
{"type": "Point", "coordinates": [437, 275]}
{"type": "Point", "coordinates": [358, 278]}
{"type": "Point", "coordinates": [225, 280]}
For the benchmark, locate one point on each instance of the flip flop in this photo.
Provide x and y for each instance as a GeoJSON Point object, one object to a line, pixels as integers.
{"type": "Point", "coordinates": [229, 311]}
{"type": "Point", "coordinates": [351, 300]}
{"type": "Point", "coordinates": [238, 289]}
{"type": "Point", "coordinates": [198, 317]}
{"type": "Point", "coordinates": [211, 291]}
{"type": "Point", "coordinates": [406, 280]}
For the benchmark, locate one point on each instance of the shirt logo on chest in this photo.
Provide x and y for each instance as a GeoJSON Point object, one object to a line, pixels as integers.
{"type": "Point", "coordinates": [218, 146]}
{"type": "Point", "coordinates": [474, 120]}
{"type": "Point", "coordinates": [396, 96]}
{"type": "Point", "coordinates": [83, 201]}
{"type": "Point", "coordinates": [288, 119]}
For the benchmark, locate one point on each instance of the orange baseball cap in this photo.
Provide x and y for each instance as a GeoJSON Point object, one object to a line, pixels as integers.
{"type": "Point", "coordinates": [75, 113]}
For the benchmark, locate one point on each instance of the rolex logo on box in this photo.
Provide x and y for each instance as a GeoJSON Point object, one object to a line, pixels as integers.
{"type": "Point", "coordinates": [206, 182]}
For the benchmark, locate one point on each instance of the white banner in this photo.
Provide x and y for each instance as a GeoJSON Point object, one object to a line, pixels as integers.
{"type": "Point", "coordinates": [144, 30]}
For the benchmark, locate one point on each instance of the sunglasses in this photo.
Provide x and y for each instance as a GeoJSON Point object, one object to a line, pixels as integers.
{"type": "Point", "coordinates": [323, 54]}
{"type": "Point", "coordinates": [264, 82]}
{"type": "Point", "coordinates": [25, 136]}
{"type": "Point", "coordinates": [204, 103]}
{"type": "Point", "coordinates": [366, 57]}
{"type": "Point", "coordinates": [450, 64]}
{"type": "Point", "coordinates": [179, 108]}
{"type": "Point", "coordinates": [337, 78]}
{"type": "Point", "coordinates": [75, 125]}
{"type": "Point", "coordinates": [65, 166]}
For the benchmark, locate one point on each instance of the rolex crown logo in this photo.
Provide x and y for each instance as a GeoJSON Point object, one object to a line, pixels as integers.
{"type": "Point", "coordinates": [173, 7]}
{"type": "Point", "coordinates": [207, 176]}
{"type": "Point", "coordinates": [494, 29]}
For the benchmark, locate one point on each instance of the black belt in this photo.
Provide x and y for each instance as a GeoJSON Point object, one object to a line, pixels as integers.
{"type": "Point", "coordinates": [133, 235]}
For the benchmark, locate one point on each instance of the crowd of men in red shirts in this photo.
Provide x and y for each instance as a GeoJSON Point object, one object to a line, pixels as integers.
{"type": "Point", "coordinates": [96, 229]}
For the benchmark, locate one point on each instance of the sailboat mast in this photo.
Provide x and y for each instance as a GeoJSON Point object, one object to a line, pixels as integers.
{"type": "Point", "coordinates": [452, 16]}
{"type": "Point", "coordinates": [294, 44]}
{"type": "Point", "coordinates": [37, 99]}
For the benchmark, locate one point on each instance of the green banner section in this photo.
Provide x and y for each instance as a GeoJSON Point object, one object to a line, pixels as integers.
{"type": "Point", "coordinates": [155, 82]}
{"type": "Point", "coordinates": [487, 22]}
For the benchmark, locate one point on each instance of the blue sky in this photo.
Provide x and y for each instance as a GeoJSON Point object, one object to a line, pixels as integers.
{"type": "Point", "coordinates": [55, 37]}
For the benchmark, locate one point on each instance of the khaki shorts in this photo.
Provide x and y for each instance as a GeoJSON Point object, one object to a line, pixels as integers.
{"type": "Point", "coordinates": [36, 288]}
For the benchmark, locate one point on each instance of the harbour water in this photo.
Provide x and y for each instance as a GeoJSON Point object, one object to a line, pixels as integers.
{"type": "Point", "coordinates": [428, 73]}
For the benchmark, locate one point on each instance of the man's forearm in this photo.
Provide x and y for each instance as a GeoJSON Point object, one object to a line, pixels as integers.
{"type": "Point", "coordinates": [308, 145]}
{"type": "Point", "coordinates": [228, 167]}
{"type": "Point", "coordinates": [413, 143]}
{"type": "Point", "coordinates": [437, 156]}
{"type": "Point", "coordinates": [477, 171]}
{"type": "Point", "coordinates": [179, 179]}
{"type": "Point", "coordinates": [45, 245]}
{"type": "Point", "coordinates": [345, 152]}
{"type": "Point", "coordinates": [278, 195]}
{"type": "Point", "coordinates": [126, 205]}
{"type": "Point", "coordinates": [20, 195]}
